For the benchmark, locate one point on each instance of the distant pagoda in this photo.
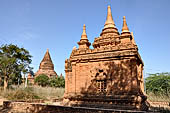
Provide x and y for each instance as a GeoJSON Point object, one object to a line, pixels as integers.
{"type": "Point", "coordinates": [46, 66]}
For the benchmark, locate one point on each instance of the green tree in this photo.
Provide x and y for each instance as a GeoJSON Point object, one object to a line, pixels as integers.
{"type": "Point", "coordinates": [61, 82]}
{"type": "Point", "coordinates": [57, 82]}
{"type": "Point", "coordinates": [14, 62]}
{"type": "Point", "coordinates": [158, 83]}
{"type": "Point", "coordinates": [42, 80]}
{"type": "Point", "coordinates": [53, 81]}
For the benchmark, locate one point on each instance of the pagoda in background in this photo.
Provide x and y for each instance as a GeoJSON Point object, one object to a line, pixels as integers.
{"type": "Point", "coordinates": [46, 66]}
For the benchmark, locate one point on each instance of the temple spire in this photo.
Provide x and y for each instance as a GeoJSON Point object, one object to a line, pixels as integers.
{"type": "Point", "coordinates": [125, 28]}
{"type": "Point", "coordinates": [84, 35]}
{"type": "Point", "coordinates": [84, 42]}
{"type": "Point", "coordinates": [46, 66]}
{"type": "Point", "coordinates": [47, 56]}
{"type": "Point", "coordinates": [109, 21]}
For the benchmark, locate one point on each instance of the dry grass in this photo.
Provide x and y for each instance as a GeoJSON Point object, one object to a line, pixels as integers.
{"type": "Point", "coordinates": [32, 92]}
{"type": "Point", "coordinates": [158, 98]}
{"type": "Point", "coordinates": [49, 92]}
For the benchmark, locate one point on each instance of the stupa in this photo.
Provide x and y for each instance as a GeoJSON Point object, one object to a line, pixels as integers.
{"type": "Point", "coordinates": [30, 78]}
{"type": "Point", "coordinates": [46, 66]}
{"type": "Point", "coordinates": [108, 76]}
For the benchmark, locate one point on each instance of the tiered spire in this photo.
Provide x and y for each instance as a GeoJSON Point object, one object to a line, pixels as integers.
{"type": "Point", "coordinates": [84, 35]}
{"type": "Point", "coordinates": [46, 66]}
{"type": "Point", "coordinates": [47, 56]}
{"type": "Point", "coordinates": [109, 21]}
{"type": "Point", "coordinates": [109, 34]}
{"type": "Point", "coordinates": [47, 63]}
{"type": "Point", "coordinates": [125, 28]}
{"type": "Point", "coordinates": [84, 42]}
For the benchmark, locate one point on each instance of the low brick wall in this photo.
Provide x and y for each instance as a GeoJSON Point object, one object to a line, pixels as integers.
{"type": "Point", "coordinates": [23, 107]}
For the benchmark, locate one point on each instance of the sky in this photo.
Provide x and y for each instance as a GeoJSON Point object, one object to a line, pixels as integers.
{"type": "Point", "coordinates": [38, 25]}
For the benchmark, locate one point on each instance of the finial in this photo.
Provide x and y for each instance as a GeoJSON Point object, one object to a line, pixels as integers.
{"type": "Point", "coordinates": [109, 21]}
{"type": "Point", "coordinates": [47, 49]}
{"type": "Point", "coordinates": [84, 35]}
{"type": "Point", "coordinates": [84, 42]}
{"type": "Point", "coordinates": [125, 27]}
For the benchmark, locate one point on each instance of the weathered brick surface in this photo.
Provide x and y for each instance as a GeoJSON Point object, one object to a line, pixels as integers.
{"type": "Point", "coordinates": [112, 69]}
{"type": "Point", "coordinates": [22, 107]}
{"type": "Point", "coordinates": [46, 66]}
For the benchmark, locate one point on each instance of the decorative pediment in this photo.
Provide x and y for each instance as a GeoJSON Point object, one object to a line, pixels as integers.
{"type": "Point", "coordinates": [100, 75]}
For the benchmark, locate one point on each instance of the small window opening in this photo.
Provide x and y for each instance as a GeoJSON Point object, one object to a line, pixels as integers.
{"type": "Point", "coordinates": [101, 86]}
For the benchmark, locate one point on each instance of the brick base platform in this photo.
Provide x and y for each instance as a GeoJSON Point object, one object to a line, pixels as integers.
{"type": "Point", "coordinates": [23, 107]}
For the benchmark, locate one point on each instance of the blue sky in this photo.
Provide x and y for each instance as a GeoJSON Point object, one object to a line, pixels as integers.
{"type": "Point", "coordinates": [57, 24]}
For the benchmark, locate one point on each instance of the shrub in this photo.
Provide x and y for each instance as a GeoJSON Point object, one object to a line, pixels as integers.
{"type": "Point", "coordinates": [57, 82]}
{"type": "Point", "coordinates": [21, 94]}
{"type": "Point", "coordinates": [158, 83]}
{"type": "Point", "coordinates": [42, 80]}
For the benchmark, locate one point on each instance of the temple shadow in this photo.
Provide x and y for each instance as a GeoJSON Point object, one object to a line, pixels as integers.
{"type": "Point", "coordinates": [115, 87]}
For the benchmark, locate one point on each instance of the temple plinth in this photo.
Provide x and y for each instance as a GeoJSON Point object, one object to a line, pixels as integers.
{"type": "Point", "coordinates": [46, 66]}
{"type": "Point", "coordinates": [108, 76]}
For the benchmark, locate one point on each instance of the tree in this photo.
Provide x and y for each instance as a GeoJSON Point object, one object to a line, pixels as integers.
{"type": "Point", "coordinates": [42, 80]}
{"type": "Point", "coordinates": [14, 62]}
{"type": "Point", "coordinates": [57, 81]}
{"type": "Point", "coordinates": [61, 82]}
{"type": "Point", "coordinates": [53, 81]}
{"type": "Point", "coordinates": [158, 83]}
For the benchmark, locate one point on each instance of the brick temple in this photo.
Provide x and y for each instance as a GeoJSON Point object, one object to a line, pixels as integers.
{"type": "Point", "coordinates": [46, 66]}
{"type": "Point", "coordinates": [108, 76]}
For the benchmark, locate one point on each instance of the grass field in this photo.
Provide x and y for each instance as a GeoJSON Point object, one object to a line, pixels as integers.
{"type": "Point", "coordinates": [32, 92]}
{"type": "Point", "coordinates": [48, 93]}
{"type": "Point", "coordinates": [158, 98]}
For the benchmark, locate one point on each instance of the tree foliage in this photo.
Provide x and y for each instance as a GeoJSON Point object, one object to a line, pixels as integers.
{"type": "Point", "coordinates": [57, 82]}
{"type": "Point", "coordinates": [14, 62]}
{"type": "Point", "coordinates": [42, 80]}
{"type": "Point", "coordinates": [158, 83]}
